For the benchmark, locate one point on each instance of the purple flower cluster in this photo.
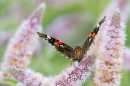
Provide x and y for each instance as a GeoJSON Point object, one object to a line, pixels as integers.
{"type": "Point", "coordinates": [77, 74]}
{"type": "Point", "coordinates": [109, 62]}
{"type": "Point", "coordinates": [22, 45]}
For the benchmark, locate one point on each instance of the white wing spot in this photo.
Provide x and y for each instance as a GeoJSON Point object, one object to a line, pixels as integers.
{"type": "Point", "coordinates": [62, 46]}
{"type": "Point", "coordinates": [48, 37]}
{"type": "Point", "coordinates": [98, 25]}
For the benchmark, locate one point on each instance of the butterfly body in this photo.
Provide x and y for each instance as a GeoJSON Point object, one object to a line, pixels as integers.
{"type": "Point", "coordinates": [77, 53]}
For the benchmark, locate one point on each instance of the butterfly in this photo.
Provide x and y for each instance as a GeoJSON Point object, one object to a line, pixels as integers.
{"type": "Point", "coordinates": [77, 53]}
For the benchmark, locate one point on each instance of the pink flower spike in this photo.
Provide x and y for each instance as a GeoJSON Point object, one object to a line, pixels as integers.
{"type": "Point", "coordinates": [77, 74]}
{"type": "Point", "coordinates": [73, 76]}
{"type": "Point", "coordinates": [22, 45]}
{"type": "Point", "coordinates": [27, 77]}
{"type": "Point", "coordinates": [109, 62]}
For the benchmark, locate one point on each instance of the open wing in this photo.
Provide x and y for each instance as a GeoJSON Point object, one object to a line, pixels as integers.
{"type": "Point", "coordinates": [61, 47]}
{"type": "Point", "coordinates": [91, 37]}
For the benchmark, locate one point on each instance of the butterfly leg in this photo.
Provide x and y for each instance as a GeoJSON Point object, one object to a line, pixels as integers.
{"type": "Point", "coordinates": [72, 62]}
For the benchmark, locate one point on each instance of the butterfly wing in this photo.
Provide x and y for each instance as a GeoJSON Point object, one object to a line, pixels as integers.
{"type": "Point", "coordinates": [66, 50]}
{"type": "Point", "coordinates": [91, 37]}
{"type": "Point", "coordinates": [61, 47]}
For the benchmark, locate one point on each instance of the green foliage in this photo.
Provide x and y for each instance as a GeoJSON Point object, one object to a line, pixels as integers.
{"type": "Point", "coordinates": [9, 82]}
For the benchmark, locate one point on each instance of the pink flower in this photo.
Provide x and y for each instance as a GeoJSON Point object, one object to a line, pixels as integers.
{"type": "Point", "coordinates": [109, 62]}
{"type": "Point", "coordinates": [27, 77]}
{"type": "Point", "coordinates": [72, 76]}
{"type": "Point", "coordinates": [22, 45]}
{"type": "Point", "coordinates": [76, 75]}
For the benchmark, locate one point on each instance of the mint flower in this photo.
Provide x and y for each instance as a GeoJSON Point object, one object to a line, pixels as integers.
{"type": "Point", "coordinates": [72, 76]}
{"type": "Point", "coordinates": [22, 45]}
{"type": "Point", "coordinates": [109, 62]}
{"type": "Point", "coordinates": [27, 77]}
{"type": "Point", "coordinates": [76, 75]}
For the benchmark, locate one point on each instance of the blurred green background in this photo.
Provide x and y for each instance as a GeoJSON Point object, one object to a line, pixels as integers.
{"type": "Point", "coordinates": [80, 17]}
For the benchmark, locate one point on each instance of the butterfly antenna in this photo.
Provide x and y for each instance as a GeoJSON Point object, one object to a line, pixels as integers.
{"type": "Point", "coordinates": [102, 20]}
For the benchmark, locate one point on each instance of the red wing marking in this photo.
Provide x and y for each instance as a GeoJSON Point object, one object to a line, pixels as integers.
{"type": "Point", "coordinates": [58, 43]}
{"type": "Point", "coordinates": [91, 35]}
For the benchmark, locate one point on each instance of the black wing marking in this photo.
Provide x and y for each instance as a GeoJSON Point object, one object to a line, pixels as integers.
{"type": "Point", "coordinates": [61, 47]}
{"type": "Point", "coordinates": [91, 37]}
